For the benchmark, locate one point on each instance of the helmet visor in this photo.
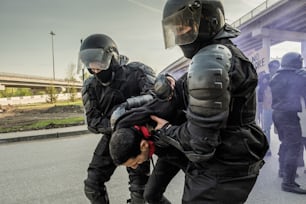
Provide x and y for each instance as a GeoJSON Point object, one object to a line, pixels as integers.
{"type": "Point", "coordinates": [95, 59]}
{"type": "Point", "coordinates": [182, 27]}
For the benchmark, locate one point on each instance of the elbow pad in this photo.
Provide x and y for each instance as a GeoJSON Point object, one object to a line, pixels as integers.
{"type": "Point", "coordinates": [138, 101]}
{"type": "Point", "coordinates": [130, 103]}
{"type": "Point", "coordinates": [118, 112]}
{"type": "Point", "coordinates": [208, 81]}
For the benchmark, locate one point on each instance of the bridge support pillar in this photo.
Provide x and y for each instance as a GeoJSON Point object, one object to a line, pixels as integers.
{"type": "Point", "coordinates": [303, 51]}
{"type": "Point", "coordinates": [266, 44]}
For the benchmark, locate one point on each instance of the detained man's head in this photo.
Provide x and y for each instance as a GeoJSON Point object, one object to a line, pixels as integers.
{"type": "Point", "coordinates": [127, 147]}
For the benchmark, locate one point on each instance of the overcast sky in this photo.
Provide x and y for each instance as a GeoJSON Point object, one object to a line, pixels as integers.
{"type": "Point", "coordinates": [135, 25]}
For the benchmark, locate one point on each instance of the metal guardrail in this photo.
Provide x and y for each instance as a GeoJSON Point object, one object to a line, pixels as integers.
{"type": "Point", "coordinates": [259, 9]}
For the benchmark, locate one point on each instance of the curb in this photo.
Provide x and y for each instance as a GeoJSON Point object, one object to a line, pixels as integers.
{"type": "Point", "coordinates": [44, 136]}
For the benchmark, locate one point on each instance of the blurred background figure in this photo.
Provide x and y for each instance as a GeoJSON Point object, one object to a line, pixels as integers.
{"type": "Point", "coordinates": [288, 87]}
{"type": "Point", "coordinates": [302, 115]}
{"type": "Point", "coordinates": [265, 99]}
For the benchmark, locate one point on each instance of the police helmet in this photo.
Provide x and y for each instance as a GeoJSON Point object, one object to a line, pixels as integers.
{"type": "Point", "coordinates": [292, 60]}
{"type": "Point", "coordinates": [100, 50]}
{"type": "Point", "coordinates": [185, 21]}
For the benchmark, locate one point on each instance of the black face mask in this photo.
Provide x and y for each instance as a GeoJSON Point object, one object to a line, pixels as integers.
{"type": "Point", "coordinates": [104, 76]}
{"type": "Point", "coordinates": [191, 49]}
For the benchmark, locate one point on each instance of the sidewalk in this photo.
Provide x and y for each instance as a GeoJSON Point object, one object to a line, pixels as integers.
{"type": "Point", "coordinates": [43, 134]}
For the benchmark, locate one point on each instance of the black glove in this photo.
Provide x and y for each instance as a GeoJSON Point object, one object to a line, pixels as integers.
{"type": "Point", "coordinates": [162, 87]}
{"type": "Point", "coordinates": [160, 137]}
{"type": "Point", "coordinates": [104, 127]}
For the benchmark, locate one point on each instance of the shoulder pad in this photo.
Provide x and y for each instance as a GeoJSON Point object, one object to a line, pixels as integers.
{"type": "Point", "coordinates": [88, 81]}
{"type": "Point", "coordinates": [213, 56]}
{"type": "Point", "coordinates": [301, 72]}
{"type": "Point", "coordinates": [228, 31]}
{"type": "Point", "coordinates": [146, 69]}
{"type": "Point", "coordinates": [123, 60]}
{"type": "Point", "coordinates": [237, 52]}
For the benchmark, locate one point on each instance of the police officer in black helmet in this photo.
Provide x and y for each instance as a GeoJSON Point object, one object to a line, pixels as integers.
{"type": "Point", "coordinates": [224, 145]}
{"type": "Point", "coordinates": [288, 87]}
{"type": "Point", "coordinates": [112, 83]}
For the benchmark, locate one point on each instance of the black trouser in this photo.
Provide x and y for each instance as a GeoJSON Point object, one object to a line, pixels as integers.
{"type": "Point", "coordinates": [165, 169]}
{"type": "Point", "coordinates": [290, 134]}
{"type": "Point", "coordinates": [102, 167]}
{"type": "Point", "coordinates": [218, 185]}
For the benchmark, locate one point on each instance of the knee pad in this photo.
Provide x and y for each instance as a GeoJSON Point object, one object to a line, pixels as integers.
{"type": "Point", "coordinates": [96, 197]}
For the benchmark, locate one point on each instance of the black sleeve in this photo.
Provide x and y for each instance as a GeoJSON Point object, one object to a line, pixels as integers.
{"type": "Point", "coordinates": [96, 121]}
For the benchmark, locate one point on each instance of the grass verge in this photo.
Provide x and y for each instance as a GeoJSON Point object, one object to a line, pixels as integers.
{"type": "Point", "coordinates": [46, 124]}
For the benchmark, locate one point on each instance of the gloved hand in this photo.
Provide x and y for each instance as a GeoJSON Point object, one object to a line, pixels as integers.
{"type": "Point", "coordinates": [160, 137]}
{"type": "Point", "coordinates": [104, 127]}
{"type": "Point", "coordinates": [164, 86]}
{"type": "Point", "coordinates": [157, 136]}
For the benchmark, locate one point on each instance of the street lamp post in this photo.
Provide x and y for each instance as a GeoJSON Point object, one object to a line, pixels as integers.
{"type": "Point", "coordinates": [52, 35]}
{"type": "Point", "coordinates": [83, 77]}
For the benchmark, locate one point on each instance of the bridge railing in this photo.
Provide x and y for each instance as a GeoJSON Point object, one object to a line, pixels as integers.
{"type": "Point", "coordinates": [262, 7]}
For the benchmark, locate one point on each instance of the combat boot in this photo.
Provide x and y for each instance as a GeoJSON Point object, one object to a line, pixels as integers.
{"type": "Point", "coordinates": [163, 200]}
{"type": "Point", "coordinates": [289, 184]}
{"type": "Point", "coordinates": [97, 197]}
{"type": "Point", "coordinates": [293, 188]}
{"type": "Point", "coordinates": [136, 198]}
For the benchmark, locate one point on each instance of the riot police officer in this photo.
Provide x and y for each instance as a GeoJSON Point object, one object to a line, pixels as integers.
{"type": "Point", "coordinates": [224, 145]}
{"type": "Point", "coordinates": [111, 84]}
{"type": "Point", "coordinates": [288, 86]}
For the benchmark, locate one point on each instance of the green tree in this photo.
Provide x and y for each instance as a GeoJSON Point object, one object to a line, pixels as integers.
{"type": "Point", "coordinates": [11, 92]}
{"type": "Point", "coordinates": [52, 94]}
{"type": "Point", "coordinates": [23, 92]}
{"type": "Point", "coordinates": [71, 78]}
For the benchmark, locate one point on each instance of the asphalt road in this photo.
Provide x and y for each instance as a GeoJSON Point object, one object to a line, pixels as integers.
{"type": "Point", "coordinates": [52, 172]}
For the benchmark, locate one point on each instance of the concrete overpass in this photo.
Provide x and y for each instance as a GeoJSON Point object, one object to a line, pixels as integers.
{"type": "Point", "coordinates": [34, 82]}
{"type": "Point", "coordinates": [272, 22]}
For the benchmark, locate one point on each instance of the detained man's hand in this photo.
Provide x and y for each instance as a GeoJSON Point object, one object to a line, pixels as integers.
{"type": "Point", "coordinates": [159, 132]}
{"type": "Point", "coordinates": [160, 122]}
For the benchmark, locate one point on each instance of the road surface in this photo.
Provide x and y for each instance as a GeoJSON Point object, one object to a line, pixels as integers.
{"type": "Point", "coordinates": [52, 172]}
